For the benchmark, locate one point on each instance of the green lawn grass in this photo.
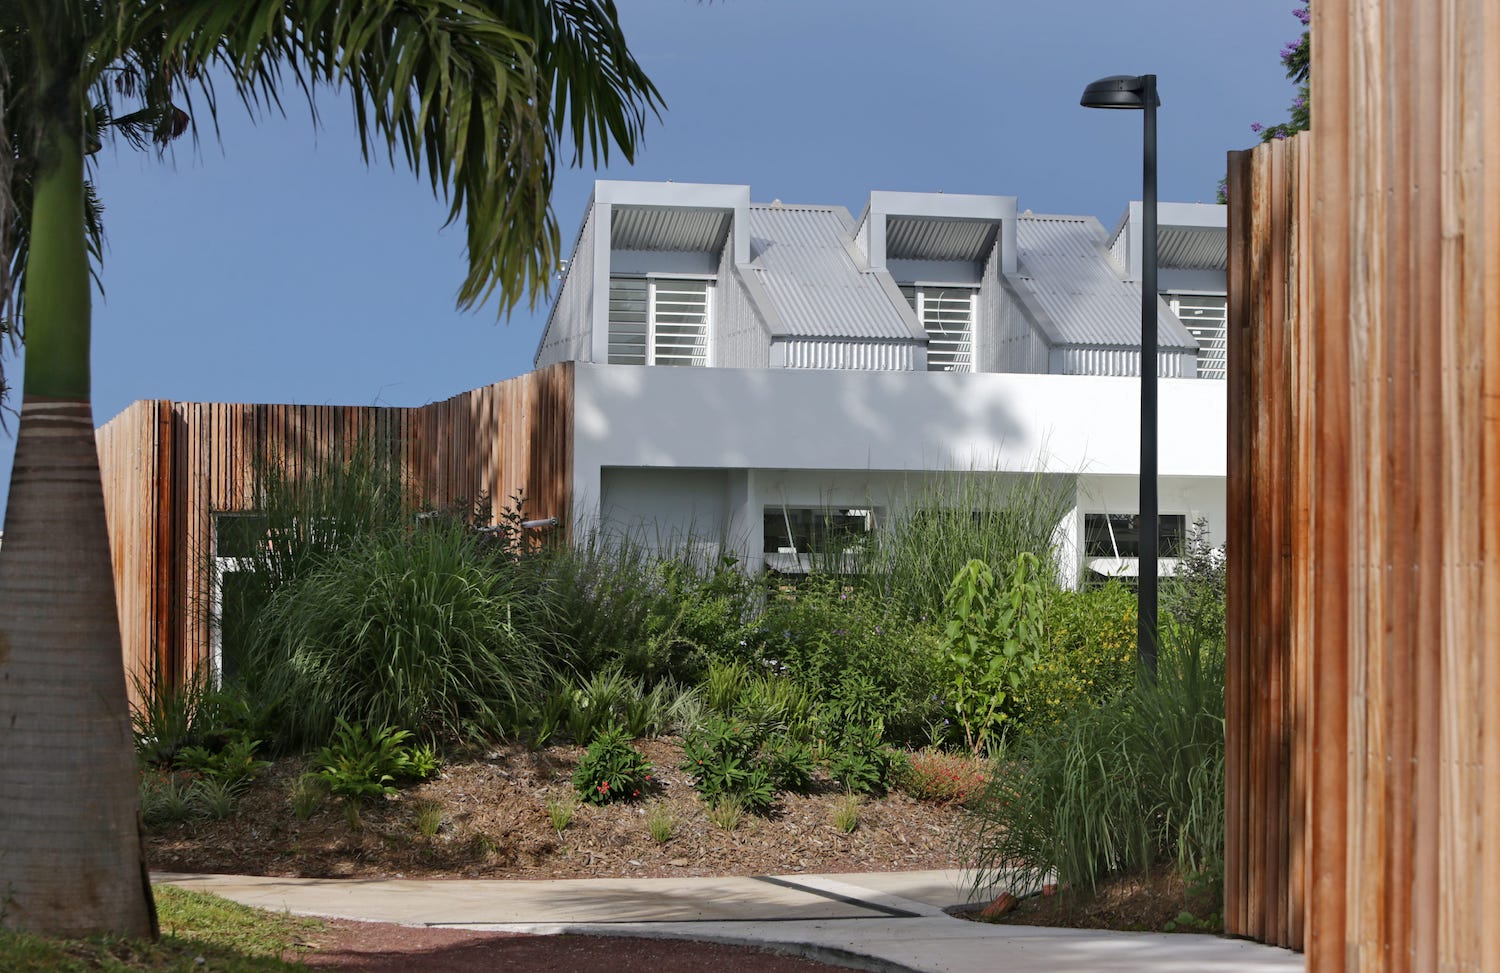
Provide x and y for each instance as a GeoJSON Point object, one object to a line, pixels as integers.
{"type": "Point", "coordinates": [229, 938]}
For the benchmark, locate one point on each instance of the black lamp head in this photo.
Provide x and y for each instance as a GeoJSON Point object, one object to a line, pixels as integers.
{"type": "Point", "coordinates": [1120, 91]}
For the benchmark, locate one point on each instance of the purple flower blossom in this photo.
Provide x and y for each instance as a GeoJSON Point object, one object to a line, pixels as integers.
{"type": "Point", "coordinates": [1299, 101]}
{"type": "Point", "coordinates": [1290, 49]}
{"type": "Point", "coordinates": [1303, 14]}
{"type": "Point", "coordinates": [1256, 127]}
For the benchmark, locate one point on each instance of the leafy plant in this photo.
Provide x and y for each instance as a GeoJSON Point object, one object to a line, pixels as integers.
{"type": "Point", "coordinates": [991, 640]}
{"type": "Point", "coordinates": [612, 769]}
{"type": "Point", "coordinates": [361, 763]}
{"type": "Point", "coordinates": [611, 698]}
{"type": "Point", "coordinates": [858, 759]}
{"type": "Point", "coordinates": [166, 798]}
{"type": "Point", "coordinates": [233, 764]}
{"type": "Point", "coordinates": [215, 799]}
{"type": "Point", "coordinates": [723, 758]}
{"type": "Point", "coordinates": [195, 713]}
{"type": "Point", "coordinates": [789, 763]}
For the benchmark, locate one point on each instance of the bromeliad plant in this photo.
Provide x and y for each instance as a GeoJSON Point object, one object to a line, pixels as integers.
{"type": "Point", "coordinates": [362, 763]}
{"type": "Point", "coordinates": [992, 639]}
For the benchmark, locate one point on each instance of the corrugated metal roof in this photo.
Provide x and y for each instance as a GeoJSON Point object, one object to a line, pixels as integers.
{"type": "Point", "coordinates": [673, 228]}
{"type": "Point", "coordinates": [866, 356]}
{"type": "Point", "coordinates": [1193, 247]}
{"type": "Point", "coordinates": [932, 238]}
{"type": "Point", "coordinates": [803, 256]}
{"type": "Point", "coordinates": [1086, 360]}
{"type": "Point", "coordinates": [1062, 262]}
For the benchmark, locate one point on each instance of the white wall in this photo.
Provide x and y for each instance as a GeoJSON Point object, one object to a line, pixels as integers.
{"type": "Point", "coordinates": [830, 420]}
{"type": "Point", "coordinates": [678, 448]}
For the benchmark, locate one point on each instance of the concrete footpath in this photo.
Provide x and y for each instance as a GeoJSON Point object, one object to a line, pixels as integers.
{"type": "Point", "coordinates": [872, 920]}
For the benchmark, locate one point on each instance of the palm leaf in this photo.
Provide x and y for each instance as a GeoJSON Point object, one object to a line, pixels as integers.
{"type": "Point", "coordinates": [475, 95]}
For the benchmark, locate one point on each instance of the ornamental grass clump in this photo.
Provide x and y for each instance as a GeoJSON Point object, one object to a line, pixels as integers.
{"type": "Point", "coordinates": [963, 517]}
{"type": "Point", "coordinates": [1135, 782]}
{"type": "Point", "coordinates": [425, 628]}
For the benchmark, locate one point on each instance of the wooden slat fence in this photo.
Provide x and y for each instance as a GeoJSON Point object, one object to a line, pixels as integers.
{"type": "Point", "coordinates": [169, 467]}
{"type": "Point", "coordinates": [1363, 715]}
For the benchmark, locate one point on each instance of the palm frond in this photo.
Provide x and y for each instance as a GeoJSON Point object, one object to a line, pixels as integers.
{"type": "Point", "coordinates": [474, 94]}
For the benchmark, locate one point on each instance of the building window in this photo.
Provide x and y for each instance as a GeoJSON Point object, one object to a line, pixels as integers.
{"type": "Point", "coordinates": [658, 321]}
{"type": "Point", "coordinates": [947, 315]}
{"type": "Point", "coordinates": [1206, 316]}
{"type": "Point", "coordinates": [830, 539]}
{"type": "Point", "coordinates": [240, 544]}
{"type": "Point", "coordinates": [801, 530]}
{"type": "Point", "coordinates": [1119, 535]}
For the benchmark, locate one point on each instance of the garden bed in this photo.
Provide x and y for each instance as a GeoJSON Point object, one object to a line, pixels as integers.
{"type": "Point", "coordinates": [495, 823]}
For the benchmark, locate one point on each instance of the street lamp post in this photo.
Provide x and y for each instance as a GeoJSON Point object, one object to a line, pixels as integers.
{"type": "Point", "coordinates": [1139, 93]}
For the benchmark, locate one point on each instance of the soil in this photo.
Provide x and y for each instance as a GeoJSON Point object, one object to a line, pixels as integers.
{"type": "Point", "coordinates": [495, 824]}
{"type": "Point", "coordinates": [1148, 903]}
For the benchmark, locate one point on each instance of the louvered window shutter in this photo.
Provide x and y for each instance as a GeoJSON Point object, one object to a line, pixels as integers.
{"type": "Point", "coordinates": [658, 321]}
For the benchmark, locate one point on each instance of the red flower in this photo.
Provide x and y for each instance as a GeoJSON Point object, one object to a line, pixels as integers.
{"type": "Point", "coordinates": [603, 788]}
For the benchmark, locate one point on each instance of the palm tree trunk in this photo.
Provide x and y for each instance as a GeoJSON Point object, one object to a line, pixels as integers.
{"type": "Point", "coordinates": [71, 859]}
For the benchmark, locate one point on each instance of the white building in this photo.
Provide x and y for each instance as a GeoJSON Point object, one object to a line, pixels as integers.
{"type": "Point", "coordinates": [747, 374]}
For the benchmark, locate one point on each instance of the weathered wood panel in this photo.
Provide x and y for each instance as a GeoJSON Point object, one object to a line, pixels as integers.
{"type": "Point", "coordinates": [169, 467]}
{"type": "Point", "coordinates": [1365, 574]}
{"type": "Point", "coordinates": [133, 447]}
{"type": "Point", "coordinates": [1266, 705]}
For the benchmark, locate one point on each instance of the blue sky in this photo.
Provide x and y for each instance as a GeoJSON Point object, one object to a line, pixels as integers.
{"type": "Point", "coordinates": [273, 266]}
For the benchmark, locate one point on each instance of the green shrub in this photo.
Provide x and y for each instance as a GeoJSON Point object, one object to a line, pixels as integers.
{"type": "Point", "coordinates": [1194, 595]}
{"type": "Point", "coordinates": [724, 759]}
{"type": "Point", "coordinates": [612, 769]}
{"type": "Point", "coordinates": [992, 638]}
{"type": "Point", "coordinates": [1089, 655]}
{"type": "Point", "coordinates": [859, 760]}
{"type": "Point", "coordinates": [789, 763]}
{"type": "Point", "coordinates": [611, 697]}
{"type": "Point", "coordinates": [424, 629]}
{"type": "Point", "coordinates": [1119, 787]}
{"type": "Point", "coordinates": [166, 797]}
{"type": "Point", "coordinates": [621, 603]}
{"type": "Point", "coordinates": [361, 763]}
{"type": "Point", "coordinates": [598, 704]}
{"type": "Point", "coordinates": [233, 764]}
{"type": "Point", "coordinates": [835, 639]}
{"type": "Point", "coordinates": [196, 713]}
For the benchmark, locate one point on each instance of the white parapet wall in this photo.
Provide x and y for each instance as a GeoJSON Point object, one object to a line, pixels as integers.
{"type": "Point", "coordinates": [679, 451]}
